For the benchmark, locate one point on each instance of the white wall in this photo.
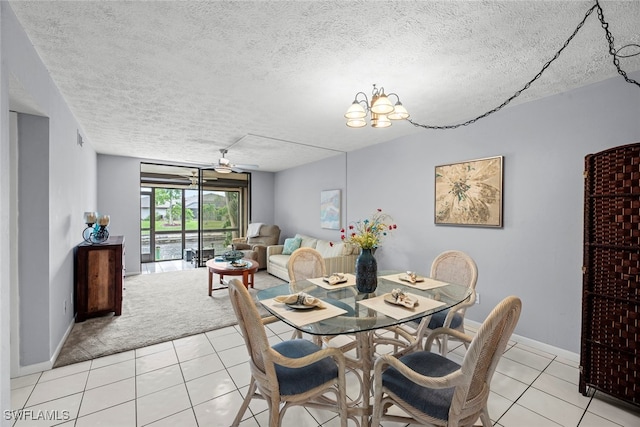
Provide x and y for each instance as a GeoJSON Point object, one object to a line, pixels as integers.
{"type": "Point", "coordinates": [297, 197]}
{"type": "Point", "coordinates": [70, 189]}
{"type": "Point", "coordinates": [119, 189]}
{"type": "Point", "coordinates": [262, 194]}
{"type": "Point", "coordinates": [5, 233]}
{"type": "Point", "coordinates": [33, 292]}
{"type": "Point", "coordinates": [537, 255]}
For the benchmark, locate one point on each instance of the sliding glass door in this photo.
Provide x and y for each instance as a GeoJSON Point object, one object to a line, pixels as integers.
{"type": "Point", "coordinates": [190, 214]}
{"type": "Point", "coordinates": [224, 201]}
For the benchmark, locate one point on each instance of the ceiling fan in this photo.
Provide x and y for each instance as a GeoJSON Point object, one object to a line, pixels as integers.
{"type": "Point", "coordinates": [193, 177]}
{"type": "Point", "coordinates": [224, 165]}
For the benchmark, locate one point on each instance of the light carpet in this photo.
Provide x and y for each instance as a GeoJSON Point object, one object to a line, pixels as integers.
{"type": "Point", "coordinates": [156, 308]}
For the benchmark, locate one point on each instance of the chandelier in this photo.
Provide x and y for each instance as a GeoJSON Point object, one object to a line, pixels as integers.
{"type": "Point", "coordinates": [381, 109]}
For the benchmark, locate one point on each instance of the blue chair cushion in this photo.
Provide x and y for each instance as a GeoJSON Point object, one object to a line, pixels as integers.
{"type": "Point", "coordinates": [299, 380]}
{"type": "Point", "coordinates": [437, 320]}
{"type": "Point", "coordinates": [433, 402]}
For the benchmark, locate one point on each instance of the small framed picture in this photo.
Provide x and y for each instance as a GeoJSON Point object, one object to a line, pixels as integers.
{"type": "Point", "coordinates": [469, 193]}
{"type": "Point", "coordinates": [330, 209]}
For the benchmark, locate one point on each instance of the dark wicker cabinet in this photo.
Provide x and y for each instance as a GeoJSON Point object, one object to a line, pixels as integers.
{"type": "Point", "coordinates": [611, 269]}
{"type": "Point", "coordinates": [99, 276]}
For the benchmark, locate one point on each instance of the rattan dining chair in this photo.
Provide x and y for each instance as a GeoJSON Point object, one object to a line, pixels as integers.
{"type": "Point", "coordinates": [433, 390]}
{"type": "Point", "coordinates": [453, 267]}
{"type": "Point", "coordinates": [305, 263]}
{"type": "Point", "coordinates": [293, 372]}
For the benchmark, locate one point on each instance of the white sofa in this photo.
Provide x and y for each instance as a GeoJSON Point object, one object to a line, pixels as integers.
{"type": "Point", "coordinates": [339, 257]}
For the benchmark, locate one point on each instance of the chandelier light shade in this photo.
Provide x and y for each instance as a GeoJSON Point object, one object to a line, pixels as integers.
{"type": "Point", "coordinates": [380, 104]}
{"type": "Point", "coordinates": [381, 109]}
{"type": "Point", "coordinates": [356, 111]}
{"type": "Point", "coordinates": [399, 112]}
{"type": "Point", "coordinates": [380, 120]}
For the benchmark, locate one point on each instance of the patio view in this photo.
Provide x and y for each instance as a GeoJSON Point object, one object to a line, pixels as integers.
{"type": "Point", "coordinates": [183, 220]}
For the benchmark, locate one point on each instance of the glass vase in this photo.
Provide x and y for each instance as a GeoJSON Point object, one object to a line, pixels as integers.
{"type": "Point", "coordinates": [366, 272]}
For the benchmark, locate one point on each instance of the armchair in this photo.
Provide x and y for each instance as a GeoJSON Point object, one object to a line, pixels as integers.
{"type": "Point", "coordinates": [267, 235]}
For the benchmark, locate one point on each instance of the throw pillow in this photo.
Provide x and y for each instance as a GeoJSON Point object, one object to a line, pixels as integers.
{"type": "Point", "coordinates": [290, 245]}
{"type": "Point", "coordinates": [328, 249]}
{"type": "Point", "coordinates": [307, 241]}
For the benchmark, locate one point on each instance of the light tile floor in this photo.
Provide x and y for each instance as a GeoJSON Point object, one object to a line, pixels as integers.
{"type": "Point", "coordinates": [200, 381]}
{"type": "Point", "coordinates": [165, 266]}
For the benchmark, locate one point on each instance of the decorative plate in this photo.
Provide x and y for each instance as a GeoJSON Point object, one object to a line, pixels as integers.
{"type": "Point", "coordinates": [391, 300]}
{"type": "Point", "coordinates": [238, 264]}
{"type": "Point", "coordinates": [300, 306]}
{"type": "Point", "coordinates": [335, 279]}
{"type": "Point", "coordinates": [406, 278]}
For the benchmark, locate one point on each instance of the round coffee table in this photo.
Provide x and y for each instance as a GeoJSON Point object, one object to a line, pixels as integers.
{"type": "Point", "coordinates": [223, 268]}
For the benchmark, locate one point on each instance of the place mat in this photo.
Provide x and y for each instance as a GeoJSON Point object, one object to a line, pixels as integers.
{"type": "Point", "coordinates": [351, 281]}
{"type": "Point", "coordinates": [400, 312]}
{"type": "Point", "coordinates": [303, 317]}
{"type": "Point", "coordinates": [427, 283]}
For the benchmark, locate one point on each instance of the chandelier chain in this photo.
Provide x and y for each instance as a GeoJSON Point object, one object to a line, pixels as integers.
{"type": "Point", "coordinates": [612, 51]}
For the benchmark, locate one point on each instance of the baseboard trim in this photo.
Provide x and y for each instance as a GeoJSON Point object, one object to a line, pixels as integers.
{"type": "Point", "coordinates": [45, 366]}
{"type": "Point", "coordinates": [565, 354]}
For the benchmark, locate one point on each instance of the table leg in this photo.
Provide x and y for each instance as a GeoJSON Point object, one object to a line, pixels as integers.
{"type": "Point", "coordinates": [252, 278]}
{"type": "Point", "coordinates": [210, 281]}
{"type": "Point", "coordinates": [245, 278]}
{"type": "Point", "coordinates": [365, 351]}
{"type": "Point", "coordinates": [221, 277]}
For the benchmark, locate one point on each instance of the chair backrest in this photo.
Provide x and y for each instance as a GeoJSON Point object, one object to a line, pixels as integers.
{"type": "Point", "coordinates": [250, 323]}
{"type": "Point", "coordinates": [269, 236]}
{"type": "Point", "coordinates": [483, 356]}
{"type": "Point", "coordinates": [306, 263]}
{"type": "Point", "coordinates": [455, 267]}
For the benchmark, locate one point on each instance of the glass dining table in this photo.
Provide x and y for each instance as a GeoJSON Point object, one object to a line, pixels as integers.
{"type": "Point", "coordinates": [363, 316]}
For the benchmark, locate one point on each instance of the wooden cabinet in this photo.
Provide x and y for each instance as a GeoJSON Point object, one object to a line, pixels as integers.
{"type": "Point", "coordinates": [609, 359]}
{"type": "Point", "coordinates": [99, 276]}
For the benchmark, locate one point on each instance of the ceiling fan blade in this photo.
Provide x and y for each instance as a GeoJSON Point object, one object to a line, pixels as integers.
{"type": "Point", "coordinates": [244, 166]}
{"type": "Point", "coordinates": [201, 165]}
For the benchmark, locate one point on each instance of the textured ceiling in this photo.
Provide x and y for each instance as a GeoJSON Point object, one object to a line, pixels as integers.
{"type": "Point", "coordinates": [271, 80]}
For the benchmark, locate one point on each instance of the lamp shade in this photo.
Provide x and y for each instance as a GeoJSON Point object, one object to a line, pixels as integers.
{"type": "Point", "coordinates": [381, 105]}
{"type": "Point", "coordinates": [222, 169]}
{"type": "Point", "coordinates": [399, 112]}
{"type": "Point", "coordinates": [104, 220]}
{"type": "Point", "coordinates": [356, 123]}
{"type": "Point", "coordinates": [90, 217]}
{"type": "Point", "coordinates": [380, 121]}
{"type": "Point", "coordinates": [355, 111]}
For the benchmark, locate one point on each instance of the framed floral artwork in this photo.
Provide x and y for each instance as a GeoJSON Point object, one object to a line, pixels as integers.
{"type": "Point", "coordinates": [330, 209]}
{"type": "Point", "coordinates": [469, 193]}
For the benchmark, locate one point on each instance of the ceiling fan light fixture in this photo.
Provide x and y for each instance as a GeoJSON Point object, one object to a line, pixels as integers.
{"type": "Point", "coordinates": [222, 169]}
